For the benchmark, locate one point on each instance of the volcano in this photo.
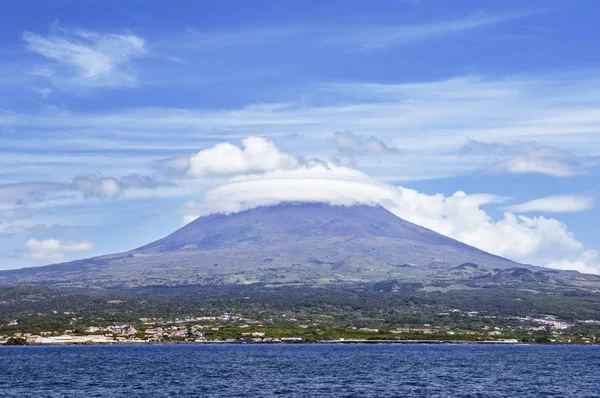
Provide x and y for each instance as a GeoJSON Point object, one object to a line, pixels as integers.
{"type": "Point", "coordinates": [308, 244]}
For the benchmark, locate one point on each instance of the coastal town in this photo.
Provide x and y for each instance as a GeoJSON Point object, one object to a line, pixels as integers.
{"type": "Point", "coordinates": [231, 328]}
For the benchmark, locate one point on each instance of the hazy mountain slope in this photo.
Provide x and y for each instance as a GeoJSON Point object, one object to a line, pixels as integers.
{"type": "Point", "coordinates": [308, 244]}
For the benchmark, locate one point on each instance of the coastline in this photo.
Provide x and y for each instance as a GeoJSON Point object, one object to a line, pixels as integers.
{"type": "Point", "coordinates": [334, 342]}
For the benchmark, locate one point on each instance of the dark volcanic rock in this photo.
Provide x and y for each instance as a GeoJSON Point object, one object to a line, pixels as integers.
{"type": "Point", "coordinates": [300, 244]}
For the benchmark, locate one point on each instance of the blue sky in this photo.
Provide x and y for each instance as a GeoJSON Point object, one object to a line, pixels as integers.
{"type": "Point", "coordinates": [121, 121]}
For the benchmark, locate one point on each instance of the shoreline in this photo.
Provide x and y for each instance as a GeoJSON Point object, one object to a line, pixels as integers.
{"type": "Point", "coordinates": [335, 342]}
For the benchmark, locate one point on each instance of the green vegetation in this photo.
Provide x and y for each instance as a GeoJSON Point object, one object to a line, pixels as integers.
{"type": "Point", "coordinates": [405, 312]}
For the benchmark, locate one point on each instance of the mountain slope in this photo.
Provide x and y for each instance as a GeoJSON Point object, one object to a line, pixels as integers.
{"type": "Point", "coordinates": [301, 244]}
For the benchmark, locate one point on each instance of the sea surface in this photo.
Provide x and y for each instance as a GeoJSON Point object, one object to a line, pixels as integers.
{"type": "Point", "coordinates": [369, 370]}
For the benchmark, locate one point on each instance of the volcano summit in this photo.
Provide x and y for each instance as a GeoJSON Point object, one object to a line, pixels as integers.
{"type": "Point", "coordinates": [301, 244]}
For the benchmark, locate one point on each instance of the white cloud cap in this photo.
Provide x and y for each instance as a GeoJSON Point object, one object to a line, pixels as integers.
{"type": "Point", "coordinates": [534, 240]}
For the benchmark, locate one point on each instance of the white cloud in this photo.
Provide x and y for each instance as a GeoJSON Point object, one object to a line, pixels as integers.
{"type": "Point", "coordinates": [53, 250]}
{"type": "Point", "coordinates": [536, 240]}
{"type": "Point", "coordinates": [11, 220]}
{"type": "Point", "coordinates": [426, 119]}
{"type": "Point", "coordinates": [88, 59]}
{"type": "Point", "coordinates": [336, 37]}
{"type": "Point", "coordinates": [526, 157]}
{"type": "Point", "coordinates": [311, 183]}
{"type": "Point", "coordinates": [535, 162]}
{"type": "Point", "coordinates": [580, 266]}
{"type": "Point", "coordinates": [188, 218]}
{"type": "Point", "coordinates": [91, 186]}
{"type": "Point", "coordinates": [584, 264]}
{"type": "Point", "coordinates": [18, 193]}
{"type": "Point", "coordinates": [257, 155]}
{"type": "Point", "coordinates": [350, 143]}
{"type": "Point", "coordinates": [102, 187]}
{"type": "Point", "coordinates": [383, 37]}
{"type": "Point", "coordinates": [111, 187]}
{"type": "Point", "coordinates": [554, 204]}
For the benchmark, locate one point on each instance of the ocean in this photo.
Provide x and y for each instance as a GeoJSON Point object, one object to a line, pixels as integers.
{"type": "Point", "coordinates": [303, 370]}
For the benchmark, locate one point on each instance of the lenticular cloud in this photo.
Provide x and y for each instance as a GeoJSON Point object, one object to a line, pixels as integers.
{"type": "Point", "coordinates": [536, 240]}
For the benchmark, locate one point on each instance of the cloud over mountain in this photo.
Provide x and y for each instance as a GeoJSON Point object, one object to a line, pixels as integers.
{"type": "Point", "coordinates": [536, 240]}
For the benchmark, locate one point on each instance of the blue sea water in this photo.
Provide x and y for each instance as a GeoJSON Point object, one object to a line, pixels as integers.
{"type": "Point", "coordinates": [300, 371]}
